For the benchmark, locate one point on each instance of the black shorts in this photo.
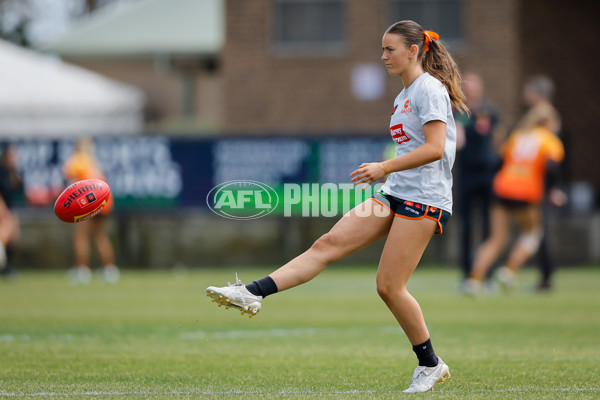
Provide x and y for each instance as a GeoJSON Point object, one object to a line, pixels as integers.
{"type": "Point", "coordinates": [511, 203]}
{"type": "Point", "coordinates": [411, 210]}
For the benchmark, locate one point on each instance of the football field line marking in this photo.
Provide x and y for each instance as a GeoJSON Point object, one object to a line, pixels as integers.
{"type": "Point", "coordinates": [231, 334]}
{"type": "Point", "coordinates": [196, 335]}
{"type": "Point", "coordinates": [283, 392]}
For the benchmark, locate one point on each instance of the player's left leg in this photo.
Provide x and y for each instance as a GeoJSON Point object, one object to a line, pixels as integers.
{"type": "Point", "coordinates": [402, 252]}
{"type": "Point", "coordinates": [529, 219]}
{"type": "Point", "coordinates": [81, 273]}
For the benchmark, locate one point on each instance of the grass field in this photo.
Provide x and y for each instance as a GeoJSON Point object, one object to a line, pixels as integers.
{"type": "Point", "coordinates": [156, 336]}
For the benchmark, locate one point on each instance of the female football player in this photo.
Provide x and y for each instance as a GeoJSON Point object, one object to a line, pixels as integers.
{"type": "Point", "coordinates": [531, 156]}
{"type": "Point", "coordinates": [83, 165]}
{"type": "Point", "coordinates": [414, 204]}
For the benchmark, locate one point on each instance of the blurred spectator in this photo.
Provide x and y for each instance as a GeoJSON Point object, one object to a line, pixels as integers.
{"type": "Point", "coordinates": [530, 156]}
{"type": "Point", "coordinates": [83, 165]}
{"type": "Point", "coordinates": [538, 92]}
{"type": "Point", "coordinates": [477, 161]}
{"type": "Point", "coordinates": [10, 183]}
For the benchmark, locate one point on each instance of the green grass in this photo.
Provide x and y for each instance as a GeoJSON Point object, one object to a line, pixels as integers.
{"type": "Point", "coordinates": [155, 336]}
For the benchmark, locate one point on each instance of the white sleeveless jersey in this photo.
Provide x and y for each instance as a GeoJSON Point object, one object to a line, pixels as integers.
{"type": "Point", "coordinates": [426, 99]}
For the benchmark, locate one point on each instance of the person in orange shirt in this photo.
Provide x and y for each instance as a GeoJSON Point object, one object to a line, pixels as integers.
{"type": "Point", "coordinates": [538, 92]}
{"type": "Point", "coordinates": [530, 156]}
{"type": "Point", "coordinates": [83, 165]}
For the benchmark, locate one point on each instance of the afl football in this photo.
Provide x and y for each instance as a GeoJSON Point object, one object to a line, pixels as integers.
{"type": "Point", "coordinates": [82, 200]}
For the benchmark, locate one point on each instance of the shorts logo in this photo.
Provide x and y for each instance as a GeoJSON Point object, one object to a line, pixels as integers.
{"type": "Point", "coordinates": [412, 211]}
{"type": "Point", "coordinates": [398, 134]}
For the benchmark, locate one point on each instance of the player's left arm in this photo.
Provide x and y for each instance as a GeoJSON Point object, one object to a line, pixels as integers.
{"type": "Point", "coordinates": [430, 151]}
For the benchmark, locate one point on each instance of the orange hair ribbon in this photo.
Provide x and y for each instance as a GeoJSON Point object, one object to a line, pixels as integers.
{"type": "Point", "coordinates": [429, 35]}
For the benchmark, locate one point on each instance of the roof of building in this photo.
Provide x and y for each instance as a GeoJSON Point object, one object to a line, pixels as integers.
{"type": "Point", "coordinates": [44, 96]}
{"type": "Point", "coordinates": [146, 28]}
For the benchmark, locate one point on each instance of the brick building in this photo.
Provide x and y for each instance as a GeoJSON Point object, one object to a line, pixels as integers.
{"type": "Point", "coordinates": [313, 66]}
{"type": "Point", "coordinates": [166, 48]}
{"type": "Point", "coordinates": [297, 66]}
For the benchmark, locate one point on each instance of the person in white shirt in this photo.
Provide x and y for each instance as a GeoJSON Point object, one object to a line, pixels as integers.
{"type": "Point", "coordinates": [414, 203]}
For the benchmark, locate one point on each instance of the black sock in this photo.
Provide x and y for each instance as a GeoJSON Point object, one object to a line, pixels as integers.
{"type": "Point", "coordinates": [262, 287]}
{"type": "Point", "coordinates": [425, 354]}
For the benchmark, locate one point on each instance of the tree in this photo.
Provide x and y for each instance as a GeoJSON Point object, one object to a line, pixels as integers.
{"type": "Point", "coordinates": [19, 18]}
{"type": "Point", "coordinates": [15, 16]}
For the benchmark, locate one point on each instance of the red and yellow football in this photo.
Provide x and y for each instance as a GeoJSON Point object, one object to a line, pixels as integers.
{"type": "Point", "coordinates": [82, 200]}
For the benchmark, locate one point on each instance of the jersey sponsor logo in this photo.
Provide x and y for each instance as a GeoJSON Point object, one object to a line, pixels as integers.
{"type": "Point", "coordinates": [398, 134]}
{"type": "Point", "coordinates": [395, 108]}
{"type": "Point", "coordinates": [406, 109]}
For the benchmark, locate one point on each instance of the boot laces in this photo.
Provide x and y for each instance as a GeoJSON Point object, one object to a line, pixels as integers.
{"type": "Point", "coordinates": [237, 281]}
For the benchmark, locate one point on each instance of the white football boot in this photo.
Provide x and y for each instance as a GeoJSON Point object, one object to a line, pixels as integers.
{"type": "Point", "coordinates": [80, 275]}
{"type": "Point", "coordinates": [425, 378]}
{"type": "Point", "coordinates": [236, 296]}
{"type": "Point", "coordinates": [472, 287]}
{"type": "Point", "coordinates": [110, 273]}
{"type": "Point", "coordinates": [507, 279]}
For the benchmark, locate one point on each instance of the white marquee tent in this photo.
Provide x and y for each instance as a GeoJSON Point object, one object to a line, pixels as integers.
{"type": "Point", "coordinates": [41, 96]}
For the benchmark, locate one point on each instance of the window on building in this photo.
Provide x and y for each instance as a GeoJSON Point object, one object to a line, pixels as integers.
{"type": "Point", "coordinates": [441, 16]}
{"type": "Point", "coordinates": [309, 26]}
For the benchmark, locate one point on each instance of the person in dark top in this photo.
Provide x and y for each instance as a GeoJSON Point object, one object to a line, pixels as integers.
{"type": "Point", "coordinates": [478, 135]}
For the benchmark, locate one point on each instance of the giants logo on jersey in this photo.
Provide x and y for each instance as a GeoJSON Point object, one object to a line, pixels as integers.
{"type": "Point", "coordinates": [406, 109]}
{"type": "Point", "coordinates": [398, 134]}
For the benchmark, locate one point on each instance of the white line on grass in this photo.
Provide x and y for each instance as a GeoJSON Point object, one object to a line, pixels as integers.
{"type": "Point", "coordinates": [285, 392]}
{"type": "Point", "coordinates": [256, 333]}
{"type": "Point", "coordinates": [197, 335]}
{"type": "Point", "coordinates": [24, 337]}
{"type": "Point", "coordinates": [279, 332]}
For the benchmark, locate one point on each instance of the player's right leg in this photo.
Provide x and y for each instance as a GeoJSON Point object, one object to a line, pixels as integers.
{"type": "Point", "coordinates": [110, 272]}
{"type": "Point", "coordinates": [360, 227]}
{"type": "Point", "coordinates": [489, 250]}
